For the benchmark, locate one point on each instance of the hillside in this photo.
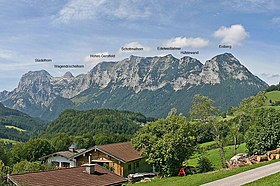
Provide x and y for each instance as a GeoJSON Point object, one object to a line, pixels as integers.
{"type": "Point", "coordinates": [203, 178]}
{"type": "Point", "coordinates": [274, 96]}
{"type": "Point", "coordinates": [214, 156]}
{"type": "Point", "coordinates": [15, 125]}
{"type": "Point", "coordinates": [74, 122]}
{"type": "Point", "coordinates": [149, 85]}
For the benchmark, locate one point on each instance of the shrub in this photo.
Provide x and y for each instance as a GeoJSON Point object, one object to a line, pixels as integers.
{"type": "Point", "coordinates": [204, 164]}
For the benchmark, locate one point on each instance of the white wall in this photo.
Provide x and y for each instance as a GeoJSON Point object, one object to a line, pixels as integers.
{"type": "Point", "coordinates": [61, 159]}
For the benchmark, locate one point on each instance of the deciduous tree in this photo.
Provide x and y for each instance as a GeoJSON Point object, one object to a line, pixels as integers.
{"type": "Point", "coordinates": [202, 108]}
{"type": "Point", "coordinates": [166, 143]}
{"type": "Point", "coordinates": [264, 133]}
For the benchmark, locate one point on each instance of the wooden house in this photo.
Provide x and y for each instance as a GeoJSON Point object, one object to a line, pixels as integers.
{"type": "Point", "coordinates": [121, 158]}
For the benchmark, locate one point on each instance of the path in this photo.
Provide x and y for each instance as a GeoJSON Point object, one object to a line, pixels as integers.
{"type": "Point", "coordinates": [247, 176]}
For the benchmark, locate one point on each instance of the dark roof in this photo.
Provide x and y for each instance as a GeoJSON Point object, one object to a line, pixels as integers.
{"type": "Point", "coordinates": [67, 154]}
{"type": "Point", "coordinates": [123, 152]}
{"type": "Point", "coordinates": [70, 176]}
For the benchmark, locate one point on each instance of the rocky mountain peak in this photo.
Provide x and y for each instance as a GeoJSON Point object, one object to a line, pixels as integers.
{"type": "Point", "coordinates": [31, 78]}
{"type": "Point", "coordinates": [134, 75]}
{"type": "Point", "coordinates": [3, 94]}
{"type": "Point", "coordinates": [190, 61]}
{"type": "Point", "coordinates": [68, 75]}
{"type": "Point", "coordinates": [168, 58]}
{"type": "Point", "coordinates": [41, 73]}
{"type": "Point", "coordinates": [226, 66]}
{"type": "Point", "coordinates": [134, 59]}
{"type": "Point", "coordinates": [227, 58]}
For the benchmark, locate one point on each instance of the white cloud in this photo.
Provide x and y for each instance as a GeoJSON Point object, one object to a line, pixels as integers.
{"type": "Point", "coordinates": [253, 5]}
{"type": "Point", "coordinates": [134, 45]}
{"type": "Point", "coordinates": [270, 75]}
{"type": "Point", "coordinates": [76, 10]}
{"type": "Point", "coordinates": [187, 42]}
{"type": "Point", "coordinates": [276, 20]}
{"type": "Point", "coordinates": [6, 54]}
{"type": "Point", "coordinates": [270, 78]}
{"type": "Point", "coordinates": [232, 35]}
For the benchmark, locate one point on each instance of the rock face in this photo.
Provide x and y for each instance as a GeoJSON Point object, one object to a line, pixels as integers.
{"type": "Point", "coordinates": [3, 94]}
{"type": "Point", "coordinates": [151, 85]}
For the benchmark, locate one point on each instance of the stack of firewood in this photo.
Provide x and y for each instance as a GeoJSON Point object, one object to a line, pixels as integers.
{"type": "Point", "coordinates": [240, 160]}
{"type": "Point", "coordinates": [270, 155]}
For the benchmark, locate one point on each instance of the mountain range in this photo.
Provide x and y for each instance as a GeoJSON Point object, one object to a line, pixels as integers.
{"type": "Point", "coordinates": [150, 85]}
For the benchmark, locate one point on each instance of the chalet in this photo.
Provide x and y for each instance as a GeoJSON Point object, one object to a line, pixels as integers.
{"type": "Point", "coordinates": [87, 175]}
{"type": "Point", "coordinates": [121, 158]}
{"type": "Point", "coordinates": [63, 159]}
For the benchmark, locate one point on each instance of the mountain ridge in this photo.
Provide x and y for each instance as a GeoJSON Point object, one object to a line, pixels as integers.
{"type": "Point", "coordinates": [103, 85]}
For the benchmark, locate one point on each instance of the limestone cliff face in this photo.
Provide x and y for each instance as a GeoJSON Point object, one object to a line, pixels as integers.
{"type": "Point", "coordinates": [38, 89]}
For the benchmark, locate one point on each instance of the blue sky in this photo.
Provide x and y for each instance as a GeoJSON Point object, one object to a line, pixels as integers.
{"type": "Point", "coordinates": [68, 31]}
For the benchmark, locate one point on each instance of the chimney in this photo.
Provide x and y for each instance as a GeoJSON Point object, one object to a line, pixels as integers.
{"type": "Point", "coordinates": [72, 148]}
{"type": "Point", "coordinates": [89, 168]}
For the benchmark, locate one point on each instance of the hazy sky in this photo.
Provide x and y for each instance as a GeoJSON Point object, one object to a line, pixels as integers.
{"type": "Point", "coordinates": [68, 31]}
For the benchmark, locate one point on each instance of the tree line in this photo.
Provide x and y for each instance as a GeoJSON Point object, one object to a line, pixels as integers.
{"type": "Point", "coordinates": [167, 142]}
{"type": "Point", "coordinates": [170, 141]}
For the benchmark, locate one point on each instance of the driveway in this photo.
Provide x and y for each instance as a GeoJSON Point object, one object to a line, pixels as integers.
{"type": "Point", "coordinates": [248, 176]}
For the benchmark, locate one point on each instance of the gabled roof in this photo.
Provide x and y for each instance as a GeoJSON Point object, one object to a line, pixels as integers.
{"type": "Point", "coordinates": [123, 152]}
{"type": "Point", "coordinates": [70, 176]}
{"type": "Point", "coordinates": [65, 154]}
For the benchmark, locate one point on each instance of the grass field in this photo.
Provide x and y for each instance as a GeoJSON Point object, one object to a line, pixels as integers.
{"type": "Point", "coordinates": [16, 128]}
{"type": "Point", "coordinates": [198, 179]}
{"type": "Point", "coordinates": [207, 144]}
{"type": "Point", "coordinates": [273, 96]}
{"type": "Point", "coordinates": [8, 141]}
{"type": "Point", "coordinates": [214, 155]}
{"type": "Point", "coordinates": [272, 180]}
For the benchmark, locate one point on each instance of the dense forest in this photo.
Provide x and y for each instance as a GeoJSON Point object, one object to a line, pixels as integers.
{"type": "Point", "coordinates": [75, 122]}
{"type": "Point", "coordinates": [18, 126]}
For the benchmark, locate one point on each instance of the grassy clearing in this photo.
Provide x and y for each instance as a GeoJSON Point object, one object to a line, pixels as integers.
{"type": "Point", "coordinates": [207, 144]}
{"type": "Point", "coordinates": [272, 180]}
{"type": "Point", "coordinates": [273, 96]}
{"type": "Point", "coordinates": [273, 107]}
{"type": "Point", "coordinates": [16, 128]}
{"type": "Point", "coordinates": [214, 155]}
{"type": "Point", "coordinates": [198, 179]}
{"type": "Point", "coordinates": [8, 141]}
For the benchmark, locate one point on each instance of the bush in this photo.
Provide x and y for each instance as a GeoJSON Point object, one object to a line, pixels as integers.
{"type": "Point", "coordinates": [264, 133]}
{"type": "Point", "coordinates": [204, 165]}
{"type": "Point", "coordinates": [26, 166]}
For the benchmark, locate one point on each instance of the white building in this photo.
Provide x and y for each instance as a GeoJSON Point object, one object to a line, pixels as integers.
{"type": "Point", "coordinates": [63, 159]}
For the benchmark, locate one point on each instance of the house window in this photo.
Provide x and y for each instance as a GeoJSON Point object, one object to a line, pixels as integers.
{"type": "Point", "coordinates": [65, 164]}
{"type": "Point", "coordinates": [129, 167]}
